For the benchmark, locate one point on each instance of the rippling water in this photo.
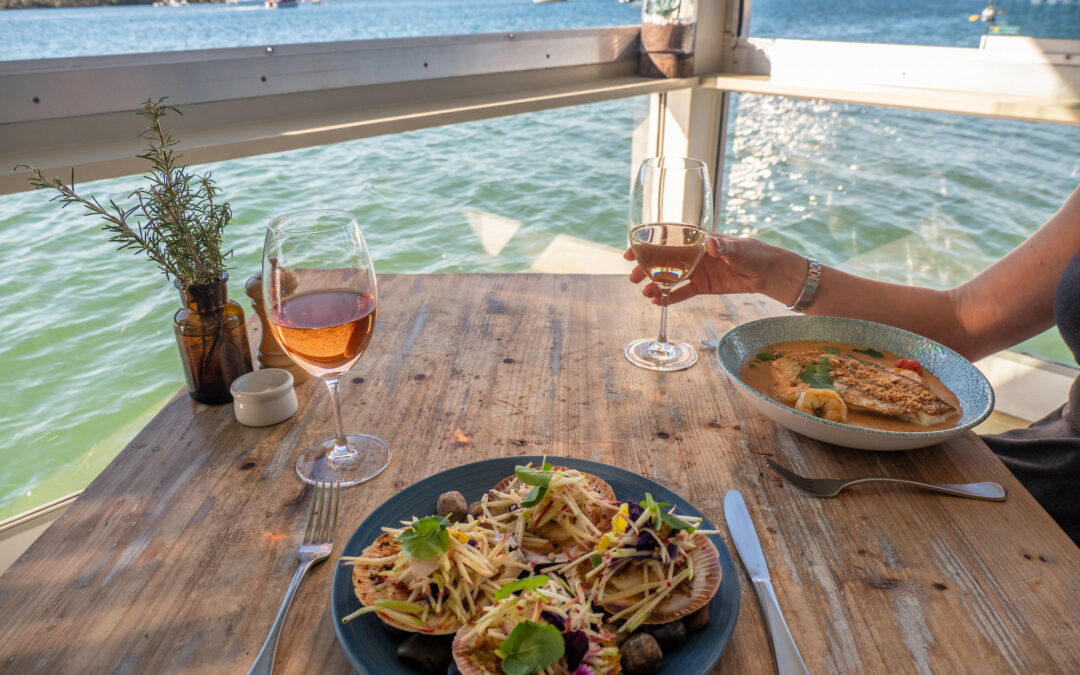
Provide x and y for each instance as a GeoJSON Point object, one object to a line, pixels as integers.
{"type": "Point", "coordinates": [905, 196]}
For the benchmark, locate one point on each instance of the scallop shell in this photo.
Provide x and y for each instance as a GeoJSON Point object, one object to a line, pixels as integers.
{"type": "Point", "coordinates": [559, 551]}
{"type": "Point", "coordinates": [365, 577]}
{"type": "Point", "coordinates": [682, 601]}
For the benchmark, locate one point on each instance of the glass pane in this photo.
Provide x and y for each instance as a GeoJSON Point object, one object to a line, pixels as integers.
{"type": "Point", "coordinates": [924, 22]}
{"type": "Point", "coordinates": [89, 354]}
{"type": "Point", "coordinates": [51, 33]}
{"type": "Point", "coordinates": [910, 197]}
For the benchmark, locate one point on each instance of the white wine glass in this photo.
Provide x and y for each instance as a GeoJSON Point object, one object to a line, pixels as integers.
{"type": "Point", "coordinates": [670, 220]}
{"type": "Point", "coordinates": [321, 302]}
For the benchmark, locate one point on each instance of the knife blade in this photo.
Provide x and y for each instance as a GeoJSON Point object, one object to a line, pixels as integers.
{"type": "Point", "coordinates": [741, 527]}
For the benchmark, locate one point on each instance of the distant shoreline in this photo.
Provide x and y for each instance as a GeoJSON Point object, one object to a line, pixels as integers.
{"type": "Point", "coordinates": [46, 4]}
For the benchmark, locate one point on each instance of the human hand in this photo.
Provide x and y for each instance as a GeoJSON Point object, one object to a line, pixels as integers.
{"type": "Point", "coordinates": [735, 265]}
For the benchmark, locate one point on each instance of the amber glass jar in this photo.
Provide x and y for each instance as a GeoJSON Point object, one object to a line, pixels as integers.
{"type": "Point", "coordinates": [213, 342]}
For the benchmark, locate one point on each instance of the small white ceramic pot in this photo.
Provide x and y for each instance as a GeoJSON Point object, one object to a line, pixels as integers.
{"type": "Point", "coordinates": [263, 397]}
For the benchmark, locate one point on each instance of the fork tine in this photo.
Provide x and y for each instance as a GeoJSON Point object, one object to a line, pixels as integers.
{"type": "Point", "coordinates": [309, 529]}
{"type": "Point", "coordinates": [337, 505]}
{"type": "Point", "coordinates": [795, 479]}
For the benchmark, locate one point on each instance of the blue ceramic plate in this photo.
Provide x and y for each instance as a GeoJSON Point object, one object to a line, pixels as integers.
{"type": "Point", "coordinates": [970, 386]}
{"type": "Point", "coordinates": [372, 650]}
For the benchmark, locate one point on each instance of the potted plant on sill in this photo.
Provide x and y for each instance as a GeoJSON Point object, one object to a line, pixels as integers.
{"type": "Point", "coordinates": [667, 38]}
{"type": "Point", "coordinates": [178, 224]}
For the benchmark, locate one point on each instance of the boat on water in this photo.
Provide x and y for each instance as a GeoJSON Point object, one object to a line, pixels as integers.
{"type": "Point", "coordinates": [546, 1]}
{"type": "Point", "coordinates": [170, 3]}
{"type": "Point", "coordinates": [280, 4]}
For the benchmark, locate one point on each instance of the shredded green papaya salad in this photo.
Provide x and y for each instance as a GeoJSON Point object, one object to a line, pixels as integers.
{"type": "Point", "coordinates": [652, 566]}
{"type": "Point", "coordinates": [429, 577]}
{"type": "Point", "coordinates": [554, 513]}
{"type": "Point", "coordinates": [539, 624]}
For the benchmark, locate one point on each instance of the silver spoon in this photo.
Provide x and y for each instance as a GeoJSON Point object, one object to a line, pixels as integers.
{"type": "Point", "coordinates": [710, 343]}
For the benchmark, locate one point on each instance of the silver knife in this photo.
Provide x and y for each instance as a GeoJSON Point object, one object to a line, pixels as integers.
{"type": "Point", "coordinates": [788, 659]}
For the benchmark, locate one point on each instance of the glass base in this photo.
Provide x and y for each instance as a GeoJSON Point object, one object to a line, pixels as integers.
{"type": "Point", "coordinates": [653, 355]}
{"type": "Point", "coordinates": [368, 459]}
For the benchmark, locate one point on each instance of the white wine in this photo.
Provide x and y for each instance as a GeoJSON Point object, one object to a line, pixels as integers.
{"type": "Point", "coordinates": [668, 252]}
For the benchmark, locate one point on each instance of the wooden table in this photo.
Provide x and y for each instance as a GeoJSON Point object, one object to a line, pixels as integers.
{"type": "Point", "coordinates": [176, 558]}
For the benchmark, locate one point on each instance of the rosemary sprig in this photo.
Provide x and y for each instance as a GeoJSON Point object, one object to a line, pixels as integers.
{"type": "Point", "coordinates": [176, 221]}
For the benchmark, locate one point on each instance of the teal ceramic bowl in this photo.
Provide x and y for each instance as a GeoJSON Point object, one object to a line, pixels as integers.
{"type": "Point", "coordinates": [970, 386]}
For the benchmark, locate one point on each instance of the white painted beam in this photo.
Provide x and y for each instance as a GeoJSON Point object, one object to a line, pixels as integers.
{"type": "Point", "coordinates": [1006, 76]}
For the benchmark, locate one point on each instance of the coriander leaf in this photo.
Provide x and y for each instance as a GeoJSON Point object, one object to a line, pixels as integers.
{"type": "Point", "coordinates": [871, 352]}
{"type": "Point", "coordinates": [832, 350]}
{"type": "Point", "coordinates": [427, 538]}
{"type": "Point", "coordinates": [765, 356]}
{"type": "Point", "coordinates": [817, 375]}
{"type": "Point", "coordinates": [530, 648]}
{"type": "Point", "coordinates": [596, 559]}
{"type": "Point", "coordinates": [531, 583]}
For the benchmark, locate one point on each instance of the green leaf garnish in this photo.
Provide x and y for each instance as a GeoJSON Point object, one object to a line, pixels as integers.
{"type": "Point", "coordinates": [596, 559]}
{"type": "Point", "coordinates": [427, 538]}
{"type": "Point", "coordinates": [660, 516]}
{"type": "Point", "coordinates": [817, 375]}
{"type": "Point", "coordinates": [869, 351]}
{"type": "Point", "coordinates": [530, 648]}
{"type": "Point", "coordinates": [832, 350]}
{"type": "Point", "coordinates": [534, 496]}
{"type": "Point", "coordinates": [769, 356]}
{"type": "Point", "coordinates": [530, 583]}
{"type": "Point", "coordinates": [539, 479]}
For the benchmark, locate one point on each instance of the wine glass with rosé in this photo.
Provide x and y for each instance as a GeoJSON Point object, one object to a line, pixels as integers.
{"type": "Point", "coordinates": [670, 220]}
{"type": "Point", "coordinates": [321, 301]}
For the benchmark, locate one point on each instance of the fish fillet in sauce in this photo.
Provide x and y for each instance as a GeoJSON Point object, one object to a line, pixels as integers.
{"type": "Point", "coordinates": [863, 386]}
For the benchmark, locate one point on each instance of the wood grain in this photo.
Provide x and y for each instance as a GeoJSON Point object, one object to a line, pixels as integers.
{"type": "Point", "coordinates": [176, 557]}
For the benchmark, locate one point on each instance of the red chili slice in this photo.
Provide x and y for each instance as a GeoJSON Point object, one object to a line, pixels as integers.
{"type": "Point", "coordinates": [910, 364]}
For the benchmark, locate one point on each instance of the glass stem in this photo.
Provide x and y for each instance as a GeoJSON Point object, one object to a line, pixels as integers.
{"type": "Point", "coordinates": [341, 444]}
{"type": "Point", "coordinates": [662, 340]}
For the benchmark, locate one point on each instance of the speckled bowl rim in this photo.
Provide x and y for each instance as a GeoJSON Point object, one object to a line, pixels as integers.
{"type": "Point", "coordinates": [811, 327]}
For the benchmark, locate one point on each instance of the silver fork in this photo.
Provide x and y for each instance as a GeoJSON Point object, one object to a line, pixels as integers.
{"type": "Point", "coordinates": [317, 545]}
{"type": "Point", "coordinates": [830, 487]}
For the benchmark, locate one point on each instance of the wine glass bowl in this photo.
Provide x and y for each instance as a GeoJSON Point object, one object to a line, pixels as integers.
{"type": "Point", "coordinates": [321, 301]}
{"type": "Point", "coordinates": [670, 221]}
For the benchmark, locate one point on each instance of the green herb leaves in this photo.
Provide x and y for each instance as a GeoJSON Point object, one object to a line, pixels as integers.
{"type": "Point", "coordinates": [768, 356]}
{"type": "Point", "coordinates": [176, 220]}
{"type": "Point", "coordinates": [660, 516]}
{"type": "Point", "coordinates": [530, 583]}
{"type": "Point", "coordinates": [530, 648]}
{"type": "Point", "coordinates": [539, 479]}
{"type": "Point", "coordinates": [871, 352]}
{"type": "Point", "coordinates": [817, 375]}
{"type": "Point", "coordinates": [427, 538]}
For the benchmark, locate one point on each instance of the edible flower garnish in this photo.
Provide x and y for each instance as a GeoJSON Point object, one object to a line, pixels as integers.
{"type": "Point", "coordinates": [427, 538]}
{"type": "Point", "coordinates": [530, 648]}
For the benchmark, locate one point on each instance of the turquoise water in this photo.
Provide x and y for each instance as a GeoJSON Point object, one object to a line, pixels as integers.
{"type": "Point", "coordinates": [905, 196]}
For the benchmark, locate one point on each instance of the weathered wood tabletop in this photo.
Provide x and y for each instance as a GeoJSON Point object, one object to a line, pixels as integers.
{"type": "Point", "coordinates": [177, 557]}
